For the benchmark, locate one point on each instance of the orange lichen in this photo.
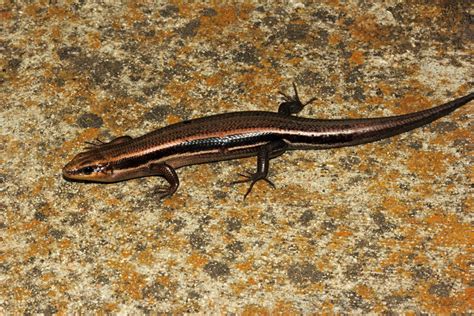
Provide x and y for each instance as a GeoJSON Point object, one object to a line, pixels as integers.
{"type": "Point", "coordinates": [394, 258]}
{"type": "Point", "coordinates": [458, 134]}
{"type": "Point", "coordinates": [412, 103]}
{"type": "Point", "coordinates": [339, 238]}
{"type": "Point", "coordinates": [10, 144]}
{"type": "Point", "coordinates": [435, 219]}
{"type": "Point", "coordinates": [172, 119]}
{"type": "Point", "coordinates": [422, 190]}
{"type": "Point", "coordinates": [112, 201]}
{"type": "Point", "coordinates": [58, 13]}
{"type": "Point", "coordinates": [110, 308]}
{"type": "Point", "coordinates": [6, 15]}
{"type": "Point", "coordinates": [56, 33]}
{"type": "Point", "coordinates": [376, 100]}
{"type": "Point", "coordinates": [43, 182]}
{"type": "Point", "coordinates": [385, 88]}
{"type": "Point", "coordinates": [460, 266]}
{"type": "Point", "coordinates": [357, 57]}
{"type": "Point", "coordinates": [126, 253]}
{"type": "Point", "coordinates": [114, 216]}
{"type": "Point", "coordinates": [334, 39]}
{"type": "Point", "coordinates": [203, 175]}
{"type": "Point", "coordinates": [295, 61]}
{"type": "Point", "coordinates": [70, 146]}
{"type": "Point", "coordinates": [226, 16]}
{"type": "Point", "coordinates": [251, 281]}
{"type": "Point", "coordinates": [215, 79]}
{"type": "Point", "coordinates": [196, 260]}
{"type": "Point", "coordinates": [65, 244]}
{"type": "Point", "coordinates": [41, 247]}
{"type": "Point", "coordinates": [246, 265]}
{"type": "Point", "coordinates": [132, 14]}
{"type": "Point", "coordinates": [327, 307]}
{"type": "Point", "coordinates": [32, 9]}
{"type": "Point", "coordinates": [429, 163]}
{"type": "Point", "coordinates": [146, 257]}
{"type": "Point", "coordinates": [343, 233]}
{"type": "Point", "coordinates": [337, 212]}
{"type": "Point", "coordinates": [20, 293]}
{"type": "Point", "coordinates": [453, 233]}
{"type": "Point", "coordinates": [114, 112]}
{"type": "Point", "coordinates": [225, 106]}
{"type": "Point", "coordinates": [255, 310]}
{"type": "Point", "coordinates": [239, 287]}
{"type": "Point", "coordinates": [131, 282]}
{"type": "Point", "coordinates": [458, 302]}
{"type": "Point", "coordinates": [366, 29]}
{"type": "Point", "coordinates": [176, 201]}
{"type": "Point", "coordinates": [47, 277]}
{"type": "Point", "coordinates": [246, 215]}
{"type": "Point", "coordinates": [179, 91]}
{"type": "Point", "coordinates": [52, 293]}
{"type": "Point", "coordinates": [284, 308]}
{"type": "Point", "coordinates": [61, 306]}
{"type": "Point", "coordinates": [394, 206]}
{"type": "Point", "coordinates": [365, 291]}
{"type": "Point", "coordinates": [93, 39]}
{"type": "Point", "coordinates": [428, 12]}
{"type": "Point", "coordinates": [163, 280]}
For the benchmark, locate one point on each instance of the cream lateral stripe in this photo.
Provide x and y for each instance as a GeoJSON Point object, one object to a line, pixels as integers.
{"type": "Point", "coordinates": [195, 153]}
{"type": "Point", "coordinates": [241, 132]}
{"type": "Point", "coordinates": [198, 153]}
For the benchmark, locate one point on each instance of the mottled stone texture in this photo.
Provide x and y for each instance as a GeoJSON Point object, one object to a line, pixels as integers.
{"type": "Point", "coordinates": [379, 228]}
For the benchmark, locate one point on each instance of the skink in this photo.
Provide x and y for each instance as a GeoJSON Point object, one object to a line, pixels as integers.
{"type": "Point", "coordinates": [265, 135]}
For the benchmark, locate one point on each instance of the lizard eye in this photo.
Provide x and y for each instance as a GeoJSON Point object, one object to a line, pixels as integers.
{"type": "Point", "coordinates": [87, 170]}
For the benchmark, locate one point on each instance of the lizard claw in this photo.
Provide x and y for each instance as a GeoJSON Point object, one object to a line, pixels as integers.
{"type": "Point", "coordinates": [163, 192]}
{"type": "Point", "coordinates": [252, 178]}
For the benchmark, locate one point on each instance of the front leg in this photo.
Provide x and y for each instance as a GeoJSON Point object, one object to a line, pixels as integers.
{"type": "Point", "coordinates": [264, 154]}
{"type": "Point", "coordinates": [169, 174]}
{"type": "Point", "coordinates": [292, 105]}
{"type": "Point", "coordinates": [115, 141]}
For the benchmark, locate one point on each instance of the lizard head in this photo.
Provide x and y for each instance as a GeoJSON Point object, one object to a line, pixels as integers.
{"type": "Point", "coordinates": [87, 166]}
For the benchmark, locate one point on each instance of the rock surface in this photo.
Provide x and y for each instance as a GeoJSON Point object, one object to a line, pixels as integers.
{"type": "Point", "coordinates": [383, 227]}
